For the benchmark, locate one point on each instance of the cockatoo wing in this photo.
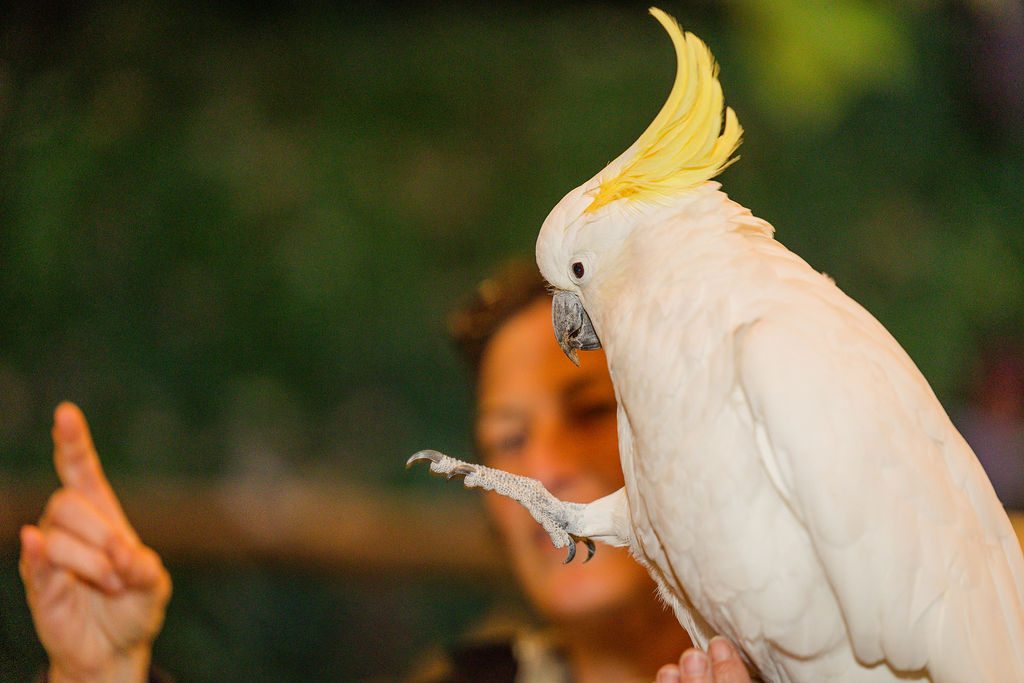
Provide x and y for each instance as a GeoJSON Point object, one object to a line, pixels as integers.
{"type": "Point", "coordinates": [919, 553]}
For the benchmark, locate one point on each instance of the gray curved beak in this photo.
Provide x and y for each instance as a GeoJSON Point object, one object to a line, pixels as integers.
{"type": "Point", "coordinates": [572, 325]}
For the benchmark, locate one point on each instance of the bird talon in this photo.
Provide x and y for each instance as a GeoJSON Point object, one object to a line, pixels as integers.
{"type": "Point", "coordinates": [426, 454]}
{"type": "Point", "coordinates": [461, 471]}
{"type": "Point", "coordinates": [572, 549]}
{"type": "Point", "coordinates": [572, 552]}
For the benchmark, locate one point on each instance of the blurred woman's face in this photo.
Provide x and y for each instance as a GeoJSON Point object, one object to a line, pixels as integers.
{"type": "Point", "coordinates": [542, 417]}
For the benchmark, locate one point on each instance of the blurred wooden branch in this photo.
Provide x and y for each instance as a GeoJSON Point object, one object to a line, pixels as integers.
{"type": "Point", "coordinates": [320, 523]}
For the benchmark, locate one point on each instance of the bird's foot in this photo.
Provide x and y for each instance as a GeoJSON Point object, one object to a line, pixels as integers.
{"type": "Point", "coordinates": [559, 518]}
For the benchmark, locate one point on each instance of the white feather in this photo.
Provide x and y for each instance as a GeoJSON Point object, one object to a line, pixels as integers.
{"type": "Point", "coordinates": [792, 481]}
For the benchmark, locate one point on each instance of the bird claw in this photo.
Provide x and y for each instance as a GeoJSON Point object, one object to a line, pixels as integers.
{"type": "Point", "coordinates": [425, 454]}
{"type": "Point", "coordinates": [572, 548]}
{"type": "Point", "coordinates": [557, 517]}
{"type": "Point", "coordinates": [442, 464]}
{"type": "Point", "coordinates": [461, 471]}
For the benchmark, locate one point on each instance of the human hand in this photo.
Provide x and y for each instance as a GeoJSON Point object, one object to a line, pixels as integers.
{"type": "Point", "coordinates": [97, 595]}
{"type": "Point", "coordinates": [720, 664]}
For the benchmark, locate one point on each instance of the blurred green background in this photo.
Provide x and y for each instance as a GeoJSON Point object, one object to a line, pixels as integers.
{"type": "Point", "coordinates": [232, 235]}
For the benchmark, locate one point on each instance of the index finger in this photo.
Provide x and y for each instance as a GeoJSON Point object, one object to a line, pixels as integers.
{"type": "Point", "coordinates": [78, 465]}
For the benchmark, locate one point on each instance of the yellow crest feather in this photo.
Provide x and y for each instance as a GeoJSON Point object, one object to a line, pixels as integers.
{"type": "Point", "coordinates": [687, 142]}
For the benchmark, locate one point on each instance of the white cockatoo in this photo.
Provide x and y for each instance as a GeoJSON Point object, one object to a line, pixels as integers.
{"type": "Point", "coordinates": [791, 480]}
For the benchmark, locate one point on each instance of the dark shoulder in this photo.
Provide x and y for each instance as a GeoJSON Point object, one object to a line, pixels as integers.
{"type": "Point", "coordinates": [485, 661]}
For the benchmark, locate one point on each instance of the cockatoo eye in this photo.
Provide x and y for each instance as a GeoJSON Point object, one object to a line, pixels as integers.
{"type": "Point", "coordinates": [581, 268]}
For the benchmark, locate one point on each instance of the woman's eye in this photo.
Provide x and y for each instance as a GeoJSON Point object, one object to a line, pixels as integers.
{"type": "Point", "coordinates": [505, 445]}
{"type": "Point", "coordinates": [595, 411]}
{"type": "Point", "coordinates": [513, 442]}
